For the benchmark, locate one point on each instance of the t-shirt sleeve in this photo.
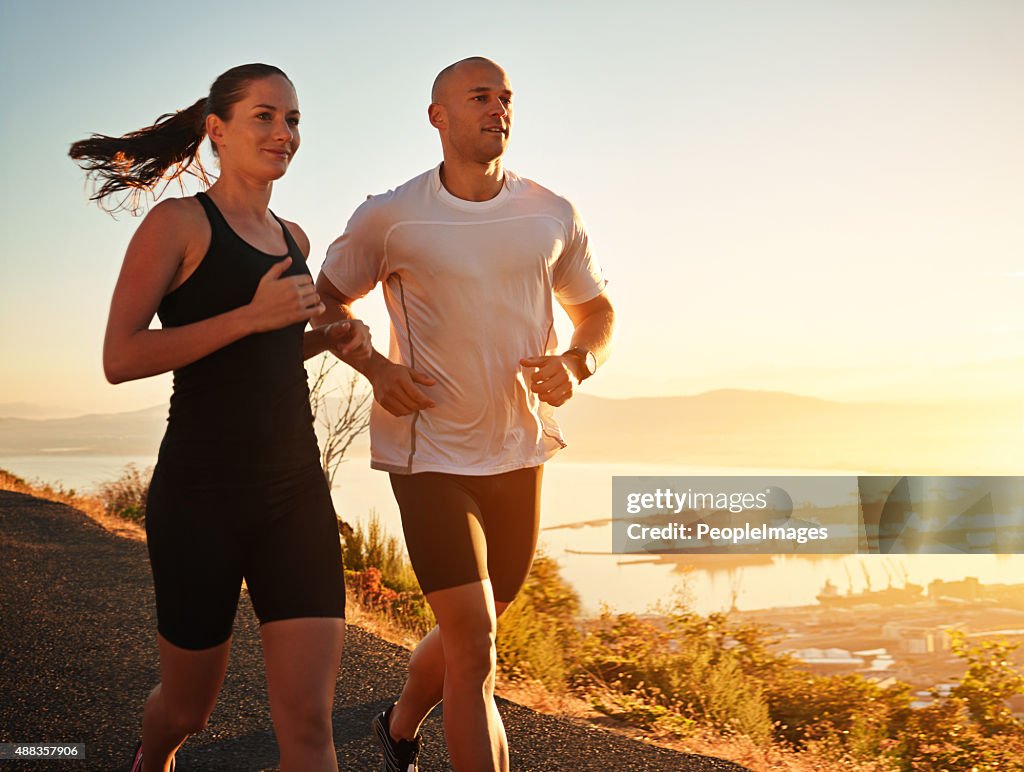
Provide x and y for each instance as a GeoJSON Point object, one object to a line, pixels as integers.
{"type": "Point", "coordinates": [577, 277]}
{"type": "Point", "coordinates": [355, 261]}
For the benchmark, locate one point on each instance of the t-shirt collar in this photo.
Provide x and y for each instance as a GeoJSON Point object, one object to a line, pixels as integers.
{"type": "Point", "coordinates": [471, 206]}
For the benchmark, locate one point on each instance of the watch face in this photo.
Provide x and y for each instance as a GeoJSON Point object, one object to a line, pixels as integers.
{"type": "Point", "coordinates": [587, 361]}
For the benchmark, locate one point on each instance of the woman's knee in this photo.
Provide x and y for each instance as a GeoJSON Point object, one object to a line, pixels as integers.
{"type": "Point", "coordinates": [307, 722]}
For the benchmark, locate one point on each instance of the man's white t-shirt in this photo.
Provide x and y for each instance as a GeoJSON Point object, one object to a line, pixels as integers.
{"type": "Point", "coordinates": [469, 286]}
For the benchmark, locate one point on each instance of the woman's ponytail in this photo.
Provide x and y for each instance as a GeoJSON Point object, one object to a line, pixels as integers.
{"type": "Point", "coordinates": [140, 160]}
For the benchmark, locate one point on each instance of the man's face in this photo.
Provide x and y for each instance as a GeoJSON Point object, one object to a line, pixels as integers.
{"type": "Point", "coordinates": [474, 112]}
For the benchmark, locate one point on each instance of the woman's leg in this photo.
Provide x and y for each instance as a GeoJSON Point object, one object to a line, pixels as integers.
{"type": "Point", "coordinates": [302, 659]}
{"type": "Point", "coordinates": [197, 577]}
{"type": "Point", "coordinates": [182, 702]}
{"type": "Point", "coordinates": [297, 588]}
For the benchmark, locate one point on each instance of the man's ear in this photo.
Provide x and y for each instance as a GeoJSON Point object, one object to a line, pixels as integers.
{"type": "Point", "coordinates": [437, 115]}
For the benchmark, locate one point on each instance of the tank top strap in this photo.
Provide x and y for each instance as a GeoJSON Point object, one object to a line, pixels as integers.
{"type": "Point", "coordinates": [293, 247]}
{"type": "Point", "coordinates": [217, 222]}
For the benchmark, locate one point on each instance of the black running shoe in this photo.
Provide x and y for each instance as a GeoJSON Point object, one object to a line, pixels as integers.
{"type": "Point", "coordinates": [399, 755]}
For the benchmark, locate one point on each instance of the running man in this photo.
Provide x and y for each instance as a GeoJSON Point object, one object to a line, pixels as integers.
{"type": "Point", "coordinates": [471, 257]}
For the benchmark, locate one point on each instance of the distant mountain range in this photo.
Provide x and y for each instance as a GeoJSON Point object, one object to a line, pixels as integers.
{"type": "Point", "coordinates": [728, 427]}
{"type": "Point", "coordinates": [135, 433]}
{"type": "Point", "coordinates": [907, 381]}
{"type": "Point", "coordinates": [31, 410]}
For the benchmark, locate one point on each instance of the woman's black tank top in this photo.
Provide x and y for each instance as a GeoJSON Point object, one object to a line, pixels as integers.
{"type": "Point", "coordinates": [247, 404]}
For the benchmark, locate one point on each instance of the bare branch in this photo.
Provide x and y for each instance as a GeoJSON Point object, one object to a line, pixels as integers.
{"type": "Point", "coordinates": [342, 418]}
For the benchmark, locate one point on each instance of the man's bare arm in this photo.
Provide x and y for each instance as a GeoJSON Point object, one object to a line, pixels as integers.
{"type": "Point", "coordinates": [556, 377]}
{"type": "Point", "coordinates": [593, 323]}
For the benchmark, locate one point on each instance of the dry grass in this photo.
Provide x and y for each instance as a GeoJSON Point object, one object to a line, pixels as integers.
{"type": "Point", "coordinates": [88, 505]}
{"type": "Point", "coordinates": [771, 758]}
{"type": "Point", "coordinates": [538, 697]}
{"type": "Point", "coordinates": [377, 624]}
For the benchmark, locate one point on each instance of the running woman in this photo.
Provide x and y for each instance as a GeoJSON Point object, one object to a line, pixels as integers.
{"type": "Point", "coordinates": [471, 257]}
{"type": "Point", "coordinates": [237, 492]}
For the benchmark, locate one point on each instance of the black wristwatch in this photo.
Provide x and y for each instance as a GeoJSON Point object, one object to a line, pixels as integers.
{"type": "Point", "coordinates": [587, 362]}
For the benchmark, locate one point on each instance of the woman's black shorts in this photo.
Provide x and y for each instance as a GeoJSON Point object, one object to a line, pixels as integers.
{"type": "Point", "coordinates": [209, 528]}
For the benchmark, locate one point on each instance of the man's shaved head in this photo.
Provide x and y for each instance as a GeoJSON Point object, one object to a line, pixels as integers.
{"type": "Point", "coordinates": [471, 108]}
{"type": "Point", "coordinates": [438, 89]}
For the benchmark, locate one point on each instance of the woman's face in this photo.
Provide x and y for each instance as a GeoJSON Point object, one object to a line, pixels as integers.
{"type": "Point", "coordinates": [262, 135]}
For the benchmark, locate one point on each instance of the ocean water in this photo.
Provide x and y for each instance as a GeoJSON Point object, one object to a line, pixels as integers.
{"type": "Point", "coordinates": [576, 506]}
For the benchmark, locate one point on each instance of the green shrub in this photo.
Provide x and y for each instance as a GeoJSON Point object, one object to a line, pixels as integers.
{"type": "Point", "coordinates": [941, 737]}
{"type": "Point", "coordinates": [406, 608]}
{"type": "Point", "coordinates": [991, 679]}
{"type": "Point", "coordinates": [679, 669]}
{"type": "Point", "coordinates": [537, 634]}
{"type": "Point", "coordinates": [126, 496]}
{"type": "Point", "coordinates": [370, 547]}
{"type": "Point", "coordinates": [379, 575]}
{"type": "Point", "coordinates": [804, 706]}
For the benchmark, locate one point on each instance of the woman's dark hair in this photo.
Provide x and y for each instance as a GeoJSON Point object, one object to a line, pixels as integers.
{"type": "Point", "coordinates": [140, 160]}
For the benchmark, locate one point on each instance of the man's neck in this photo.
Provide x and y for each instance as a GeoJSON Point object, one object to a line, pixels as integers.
{"type": "Point", "coordinates": [473, 181]}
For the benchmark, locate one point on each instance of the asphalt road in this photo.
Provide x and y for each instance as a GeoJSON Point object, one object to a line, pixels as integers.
{"type": "Point", "coordinates": [78, 657]}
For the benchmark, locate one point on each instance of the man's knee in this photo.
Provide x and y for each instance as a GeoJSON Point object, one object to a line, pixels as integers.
{"type": "Point", "coordinates": [471, 656]}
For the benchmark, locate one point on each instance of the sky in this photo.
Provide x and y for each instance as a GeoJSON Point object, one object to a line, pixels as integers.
{"type": "Point", "coordinates": [819, 197]}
